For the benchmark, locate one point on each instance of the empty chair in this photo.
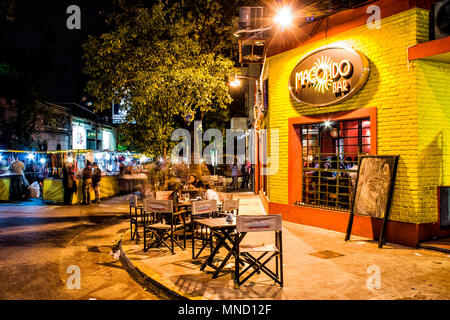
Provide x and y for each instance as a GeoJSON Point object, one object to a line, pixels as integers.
{"type": "Point", "coordinates": [201, 210]}
{"type": "Point", "coordinates": [136, 219]}
{"type": "Point", "coordinates": [230, 206]}
{"type": "Point", "coordinates": [224, 196]}
{"type": "Point", "coordinates": [161, 223]}
{"type": "Point", "coordinates": [266, 252]}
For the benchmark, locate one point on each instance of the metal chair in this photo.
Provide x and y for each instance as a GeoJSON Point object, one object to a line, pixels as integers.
{"type": "Point", "coordinates": [161, 223]}
{"type": "Point", "coordinates": [201, 210]}
{"type": "Point", "coordinates": [134, 217]}
{"type": "Point", "coordinates": [267, 252]}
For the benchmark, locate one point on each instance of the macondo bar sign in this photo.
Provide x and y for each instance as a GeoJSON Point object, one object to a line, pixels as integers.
{"type": "Point", "coordinates": [328, 76]}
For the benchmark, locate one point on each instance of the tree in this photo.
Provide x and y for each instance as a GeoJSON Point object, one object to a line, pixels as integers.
{"type": "Point", "coordinates": [152, 64]}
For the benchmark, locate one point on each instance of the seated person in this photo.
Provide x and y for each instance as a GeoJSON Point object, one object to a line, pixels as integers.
{"type": "Point", "coordinates": [200, 192]}
{"type": "Point", "coordinates": [210, 194]}
{"type": "Point", "coordinates": [193, 182]}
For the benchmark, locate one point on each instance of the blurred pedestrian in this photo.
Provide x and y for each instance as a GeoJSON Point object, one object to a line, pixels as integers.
{"type": "Point", "coordinates": [69, 183]}
{"type": "Point", "coordinates": [87, 183]}
{"type": "Point", "coordinates": [234, 174]}
{"type": "Point", "coordinates": [96, 178]}
{"type": "Point", "coordinates": [16, 169]}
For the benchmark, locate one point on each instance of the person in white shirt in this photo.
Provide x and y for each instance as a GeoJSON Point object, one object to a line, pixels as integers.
{"type": "Point", "coordinates": [210, 194]}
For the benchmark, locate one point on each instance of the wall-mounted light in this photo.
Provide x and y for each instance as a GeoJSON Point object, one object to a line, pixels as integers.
{"type": "Point", "coordinates": [235, 83]}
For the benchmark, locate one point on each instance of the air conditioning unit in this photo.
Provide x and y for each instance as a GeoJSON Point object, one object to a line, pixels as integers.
{"type": "Point", "coordinates": [440, 20]}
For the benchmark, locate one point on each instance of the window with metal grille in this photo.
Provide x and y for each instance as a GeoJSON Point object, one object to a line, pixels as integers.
{"type": "Point", "coordinates": [330, 152]}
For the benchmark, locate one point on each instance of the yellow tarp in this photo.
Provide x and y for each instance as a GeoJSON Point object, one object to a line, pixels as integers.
{"type": "Point", "coordinates": [4, 189]}
{"type": "Point", "coordinates": [54, 190]}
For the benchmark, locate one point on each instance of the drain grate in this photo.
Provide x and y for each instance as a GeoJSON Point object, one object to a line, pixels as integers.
{"type": "Point", "coordinates": [327, 254]}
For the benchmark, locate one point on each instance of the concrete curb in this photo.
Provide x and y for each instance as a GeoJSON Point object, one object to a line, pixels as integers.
{"type": "Point", "coordinates": [152, 280]}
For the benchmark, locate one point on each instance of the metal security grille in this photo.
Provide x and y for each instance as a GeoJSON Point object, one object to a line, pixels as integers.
{"type": "Point", "coordinates": [330, 152]}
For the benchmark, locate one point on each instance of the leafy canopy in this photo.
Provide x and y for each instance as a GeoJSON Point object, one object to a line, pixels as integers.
{"type": "Point", "coordinates": [158, 70]}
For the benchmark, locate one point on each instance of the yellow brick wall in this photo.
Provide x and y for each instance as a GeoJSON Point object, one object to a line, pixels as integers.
{"type": "Point", "coordinates": [396, 88]}
{"type": "Point", "coordinates": [434, 134]}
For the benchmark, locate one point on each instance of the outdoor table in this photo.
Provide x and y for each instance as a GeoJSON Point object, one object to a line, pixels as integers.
{"type": "Point", "coordinates": [222, 230]}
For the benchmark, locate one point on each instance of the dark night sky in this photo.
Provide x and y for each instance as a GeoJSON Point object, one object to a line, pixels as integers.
{"type": "Point", "coordinates": [66, 82]}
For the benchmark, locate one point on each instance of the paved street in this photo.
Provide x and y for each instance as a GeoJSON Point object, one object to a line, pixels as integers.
{"type": "Point", "coordinates": [38, 243]}
{"type": "Point", "coordinates": [318, 264]}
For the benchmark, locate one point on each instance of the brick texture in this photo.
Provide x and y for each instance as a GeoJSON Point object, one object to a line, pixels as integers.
{"type": "Point", "coordinates": [413, 110]}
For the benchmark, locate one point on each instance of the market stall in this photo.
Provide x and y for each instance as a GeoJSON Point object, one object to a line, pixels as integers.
{"type": "Point", "coordinates": [34, 170]}
{"type": "Point", "coordinates": [53, 188]}
{"type": "Point", "coordinates": [117, 168]}
{"type": "Point", "coordinates": [121, 172]}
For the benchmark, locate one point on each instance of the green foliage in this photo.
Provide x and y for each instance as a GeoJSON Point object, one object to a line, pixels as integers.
{"type": "Point", "coordinates": [153, 64]}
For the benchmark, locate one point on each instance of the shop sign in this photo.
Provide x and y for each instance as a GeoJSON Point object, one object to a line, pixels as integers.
{"type": "Point", "coordinates": [328, 76]}
{"type": "Point", "coordinates": [78, 138]}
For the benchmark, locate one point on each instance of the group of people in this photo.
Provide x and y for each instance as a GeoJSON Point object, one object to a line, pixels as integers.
{"type": "Point", "coordinates": [91, 177]}
{"type": "Point", "coordinates": [245, 172]}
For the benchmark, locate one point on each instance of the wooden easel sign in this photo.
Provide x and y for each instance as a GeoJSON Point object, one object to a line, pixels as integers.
{"type": "Point", "coordinates": [373, 191]}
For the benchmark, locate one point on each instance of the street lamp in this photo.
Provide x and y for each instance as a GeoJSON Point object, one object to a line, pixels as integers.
{"type": "Point", "coordinates": [283, 18]}
{"type": "Point", "coordinates": [237, 83]}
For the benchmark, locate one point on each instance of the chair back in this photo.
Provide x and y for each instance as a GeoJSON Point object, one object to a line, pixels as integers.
{"type": "Point", "coordinates": [224, 196]}
{"type": "Point", "coordinates": [149, 194]}
{"type": "Point", "coordinates": [161, 206]}
{"type": "Point", "coordinates": [202, 207]}
{"type": "Point", "coordinates": [230, 205]}
{"type": "Point", "coordinates": [258, 223]}
{"type": "Point", "coordinates": [133, 201]}
{"type": "Point", "coordinates": [163, 195]}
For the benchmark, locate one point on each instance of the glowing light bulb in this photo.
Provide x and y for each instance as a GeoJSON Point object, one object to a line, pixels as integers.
{"type": "Point", "coordinates": [42, 160]}
{"type": "Point", "coordinates": [235, 83]}
{"type": "Point", "coordinates": [284, 17]}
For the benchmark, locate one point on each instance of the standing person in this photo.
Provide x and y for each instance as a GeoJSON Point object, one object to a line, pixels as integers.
{"type": "Point", "coordinates": [244, 176]}
{"type": "Point", "coordinates": [96, 178]}
{"type": "Point", "coordinates": [248, 168]}
{"type": "Point", "coordinates": [69, 183]}
{"type": "Point", "coordinates": [234, 174]}
{"type": "Point", "coordinates": [87, 182]}
{"type": "Point", "coordinates": [16, 169]}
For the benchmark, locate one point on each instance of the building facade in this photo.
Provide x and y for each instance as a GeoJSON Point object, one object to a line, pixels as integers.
{"type": "Point", "coordinates": [402, 108]}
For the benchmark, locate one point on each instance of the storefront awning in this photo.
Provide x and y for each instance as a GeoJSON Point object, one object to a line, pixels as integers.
{"type": "Point", "coordinates": [435, 50]}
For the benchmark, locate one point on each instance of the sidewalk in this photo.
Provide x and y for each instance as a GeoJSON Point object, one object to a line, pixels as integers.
{"type": "Point", "coordinates": [318, 264]}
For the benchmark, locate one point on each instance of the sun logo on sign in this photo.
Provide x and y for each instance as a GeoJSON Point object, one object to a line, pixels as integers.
{"type": "Point", "coordinates": [323, 72]}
